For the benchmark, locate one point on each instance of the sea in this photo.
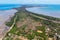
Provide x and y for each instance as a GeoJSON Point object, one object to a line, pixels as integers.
{"type": "Point", "coordinates": [9, 6]}
{"type": "Point", "coordinates": [45, 9]}
{"type": "Point", "coordinates": [48, 10]}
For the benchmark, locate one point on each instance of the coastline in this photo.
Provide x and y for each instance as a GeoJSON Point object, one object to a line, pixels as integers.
{"type": "Point", "coordinates": [39, 10]}
{"type": "Point", "coordinates": [4, 17]}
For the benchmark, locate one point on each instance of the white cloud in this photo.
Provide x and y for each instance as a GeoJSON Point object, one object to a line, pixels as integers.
{"type": "Point", "coordinates": [30, 2]}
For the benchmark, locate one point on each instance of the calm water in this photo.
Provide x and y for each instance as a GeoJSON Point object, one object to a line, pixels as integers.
{"type": "Point", "coordinates": [50, 10]}
{"type": "Point", "coordinates": [8, 6]}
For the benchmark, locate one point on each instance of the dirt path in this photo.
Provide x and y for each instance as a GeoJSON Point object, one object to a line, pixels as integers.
{"type": "Point", "coordinates": [11, 26]}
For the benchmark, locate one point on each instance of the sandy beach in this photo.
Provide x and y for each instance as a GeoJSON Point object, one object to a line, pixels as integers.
{"type": "Point", "coordinates": [4, 17]}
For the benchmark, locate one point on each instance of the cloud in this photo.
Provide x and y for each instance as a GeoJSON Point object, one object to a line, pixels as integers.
{"type": "Point", "coordinates": [30, 2]}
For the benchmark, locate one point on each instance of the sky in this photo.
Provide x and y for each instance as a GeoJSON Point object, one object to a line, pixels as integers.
{"type": "Point", "coordinates": [29, 1]}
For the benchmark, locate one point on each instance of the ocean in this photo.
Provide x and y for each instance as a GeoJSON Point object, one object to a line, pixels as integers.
{"type": "Point", "coordinates": [49, 10]}
{"type": "Point", "coordinates": [9, 6]}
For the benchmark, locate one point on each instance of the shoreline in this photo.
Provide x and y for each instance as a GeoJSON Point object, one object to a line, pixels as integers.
{"type": "Point", "coordinates": [5, 17]}
{"type": "Point", "coordinates": [42, 12]}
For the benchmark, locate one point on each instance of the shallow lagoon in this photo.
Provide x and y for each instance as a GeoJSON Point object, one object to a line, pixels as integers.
{"type": "Point", "coordinates": [49, 11]}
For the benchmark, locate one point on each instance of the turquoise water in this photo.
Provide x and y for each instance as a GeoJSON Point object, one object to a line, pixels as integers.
{"type": "Point", "coordinates": [45, 6]}
{"type": "Point", "coordinates": [8, 6]}
{"type": "Point", "coordinates": [49, 10]}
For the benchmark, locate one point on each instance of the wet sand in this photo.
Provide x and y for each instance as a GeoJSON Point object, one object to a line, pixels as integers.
{"type": "Point", "coordinates": [4, 17]}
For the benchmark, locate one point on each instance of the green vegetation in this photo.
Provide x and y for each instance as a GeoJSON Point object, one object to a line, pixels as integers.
{"type": "Point", "coordinates": [11, 21]}
{"type": "Point", "coordinates": [29, 30]}
{"type": "Point", "coordinates": [47, 17]}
